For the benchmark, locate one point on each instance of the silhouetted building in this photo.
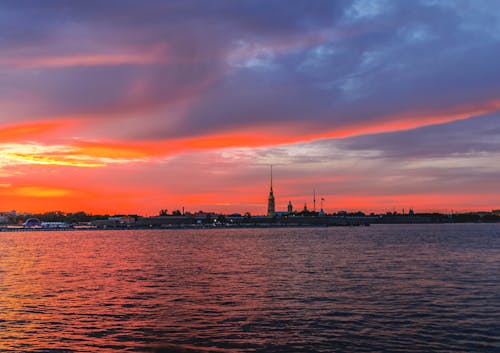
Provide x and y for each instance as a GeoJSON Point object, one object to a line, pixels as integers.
{"type": "Point", "coordinates": [270, 201]}
{"type": "Point", "coordinates": [290, 207]}
{"type": "Point", "coordinates": [6, 217]}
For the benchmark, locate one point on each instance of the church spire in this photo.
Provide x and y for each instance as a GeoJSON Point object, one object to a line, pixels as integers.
{"type": "Point", "coordinates": [270, 200]}
{"type": "Point", "coordinates": [271, 179]}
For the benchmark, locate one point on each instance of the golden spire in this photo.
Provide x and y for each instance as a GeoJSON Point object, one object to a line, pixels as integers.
{"type": "Point", "coordinates": [270, 200]}
{"type": "Point", "coordinates": [271, 178]}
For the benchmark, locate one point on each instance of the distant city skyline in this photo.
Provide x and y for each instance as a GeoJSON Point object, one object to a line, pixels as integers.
{"type": "Point", "coordinates": [132, 107]}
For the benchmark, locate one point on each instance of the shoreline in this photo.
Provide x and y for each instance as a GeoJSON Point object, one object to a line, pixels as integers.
{"type": "Point", "coordinates": [187, 227]}
{"type": "Point", "coordinates": [69, 229]}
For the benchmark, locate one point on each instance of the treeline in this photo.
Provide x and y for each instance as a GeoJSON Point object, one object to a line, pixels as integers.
{"type": "Point", "coordinates": [473, 217]}
{"type": "Point", "coordinates": [70, 218]}
{"type": "Point", "coordinates": [450, 218]}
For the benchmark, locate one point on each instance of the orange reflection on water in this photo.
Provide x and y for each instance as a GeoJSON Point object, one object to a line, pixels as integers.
{"type": "Point", "coordinates": [238, 290]}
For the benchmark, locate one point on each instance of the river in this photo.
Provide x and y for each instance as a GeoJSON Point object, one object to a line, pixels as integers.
{"type": "Point", "coordinates": [384, 288]}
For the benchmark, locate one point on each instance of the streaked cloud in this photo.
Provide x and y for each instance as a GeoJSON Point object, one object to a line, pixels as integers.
{"type": "Point", "coordinates": [39, 191]}
{"type": "Point", "coordinates": [47, 62]}
{"type": "Point", "coordinates": [85, 156]}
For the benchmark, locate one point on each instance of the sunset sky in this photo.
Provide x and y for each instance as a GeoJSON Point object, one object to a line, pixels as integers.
{"type": "Point", "coordinates": [134, 106]}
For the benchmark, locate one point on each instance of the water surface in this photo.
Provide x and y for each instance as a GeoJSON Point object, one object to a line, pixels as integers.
{"type": "Point", "coordinates": [390, 288]}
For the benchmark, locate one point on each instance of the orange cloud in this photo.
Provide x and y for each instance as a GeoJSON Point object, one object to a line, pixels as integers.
{"type": "Point", "coordinates": [47, 160]}
{"type": "Point", "coordinates": [413, 120]}
{"type": "Point", "coordinates": [287, 133]}
{"type": "Point", "coordinates": [29, 130]}
{"type": "Point", "coordinates": [37, 191]}
{"type": "Point", "coordinates": [296, 132]}
{"type": "Point", "coordinates": [41, 154]}
{"type": "Point", "coordinates": [143, 150]}
{"type": "Point", "coordinates": [116, 150]}
{"type": "Point", "coordinates": [77, 153]}
{"type": "Point", "coordinates": [104, 152]}
{"type": "Point", "coordinates": [100, 153]}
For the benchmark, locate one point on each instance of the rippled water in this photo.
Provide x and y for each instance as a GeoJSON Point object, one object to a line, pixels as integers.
{"type": "Point", "coordinates": [406, 288]}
